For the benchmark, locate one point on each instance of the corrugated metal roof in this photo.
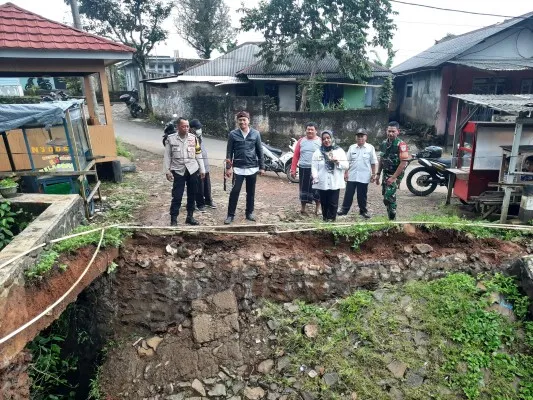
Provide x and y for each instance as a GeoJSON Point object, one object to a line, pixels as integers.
{"type": "Point", "coordinates": [491, 65]}
{"type": "Point", "coordinates": [447, 50]}
{"type": "Point", "coordinates": [196, 78]}
{"type": "Point", "coordinates": [22, 29]}
{"type": "Point", "coordinates": [508, 103]}
{"type": "Point", "coordinates": [299, 67]}
{"type": "Point", "coordinates": [227, 64]}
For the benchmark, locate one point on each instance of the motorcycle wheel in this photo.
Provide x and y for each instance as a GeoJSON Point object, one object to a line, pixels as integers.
{"type": "Point", "coordinates": [296, 179]}
{"type": "Point", "coordinates": [134, 112]}
{"type": "Point", "coordinates": [417, 181]}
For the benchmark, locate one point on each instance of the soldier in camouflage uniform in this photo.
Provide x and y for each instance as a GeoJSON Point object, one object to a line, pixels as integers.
{"type": "Point", "coordinates": [394, 156]}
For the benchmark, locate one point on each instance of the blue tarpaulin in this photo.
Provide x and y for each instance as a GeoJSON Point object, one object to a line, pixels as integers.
{"type": "Point", "coordinates": [14, 116]}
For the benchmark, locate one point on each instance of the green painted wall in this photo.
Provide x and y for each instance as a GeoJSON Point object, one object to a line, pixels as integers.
{"type": "Point", "coordinates": [354, 97]}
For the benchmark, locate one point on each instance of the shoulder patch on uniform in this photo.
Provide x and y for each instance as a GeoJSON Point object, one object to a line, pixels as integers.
{"type": "Point", "coordinates": [403, 147]}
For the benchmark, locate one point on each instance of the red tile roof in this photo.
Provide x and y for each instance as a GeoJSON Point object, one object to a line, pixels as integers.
{"type": "Point", "coordinates": [22, 29]}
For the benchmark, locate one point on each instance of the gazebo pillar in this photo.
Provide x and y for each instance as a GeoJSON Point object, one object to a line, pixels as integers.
{"type": "Point", "coordinates": [93, 117]}
{"type": "Point", "coordinates": [105, 97]}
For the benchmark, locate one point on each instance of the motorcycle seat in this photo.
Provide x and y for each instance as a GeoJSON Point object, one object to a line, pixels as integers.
{"type": "Point", "coordinates": [446, 163]}
{"type": "Point", "coordinates": [274, 150]}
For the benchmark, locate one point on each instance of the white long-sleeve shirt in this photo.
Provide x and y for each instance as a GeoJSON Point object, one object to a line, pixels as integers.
{"type": "Point", "coordinates": [329, 180]}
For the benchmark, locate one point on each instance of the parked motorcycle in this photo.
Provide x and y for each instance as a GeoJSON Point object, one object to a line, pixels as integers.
{"type": "Point", "coordinates": [423, 180]}
{"type": "Point", "coordinates": [277, 161]}
{"type": "Point", "coordinates": [132, 101]}
{"type": "Point", "coordinates": [57, 95]}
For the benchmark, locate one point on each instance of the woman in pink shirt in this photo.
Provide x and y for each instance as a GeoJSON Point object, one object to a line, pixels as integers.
{"type": "Point", "coordinates": [303, 154]}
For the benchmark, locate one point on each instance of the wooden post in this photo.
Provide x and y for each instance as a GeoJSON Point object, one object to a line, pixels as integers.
{"type": "Point", "coordinates": [511, 171]}
{"type": "Point", "coordinates": [90, 101]}
{"type": "Point", "coordinates": [105, 97]}
{"type": "Point", "coordinates": [457, 132]}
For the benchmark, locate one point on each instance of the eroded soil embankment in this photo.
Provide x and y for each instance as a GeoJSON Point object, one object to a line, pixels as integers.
{"type": "Point", "coordinates": [156, 292]}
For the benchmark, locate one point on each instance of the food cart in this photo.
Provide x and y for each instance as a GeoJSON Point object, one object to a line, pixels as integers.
{"type": "Point", "coordinates": [491, 150]}
{"type": "Point", "coordinates": [47, 146]}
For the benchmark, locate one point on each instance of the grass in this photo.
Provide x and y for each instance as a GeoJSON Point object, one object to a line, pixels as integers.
{"type": "Point", "coordinates": [124, 199]}
{"type": "Point", "coordinates": [359, 233]}
{"type": "Point", "coordinates": [122, 150]}
{"type": "Point", "coordinates": [464, 342]}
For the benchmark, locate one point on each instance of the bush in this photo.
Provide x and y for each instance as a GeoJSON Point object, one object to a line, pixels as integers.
{"type": "Point", "coordinates": [20, 99]}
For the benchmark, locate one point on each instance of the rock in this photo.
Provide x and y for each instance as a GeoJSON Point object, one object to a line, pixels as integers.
{"type": "Point", "coordinates": [182, 252]}
{"type": "Point", "coordinates": [330, 378]}
{"type": "Point", "coordinates": [171, 250]}
{"type": "Point", "coordinates": [444, 391]}
{"type": "Point", "coordinates": [321, 370]}
{"type": "Point", "coordinates": [354, 396]}
{"type": "Point", "coordinates": [210, 381]}
{"type": "Point", "coordinates": [311, 330]}
{"type": "Point", "coordinates": [265, 367]}
{"type": "Point", "coordinates": [273, 325]}
{"type": "Point", "coordinates": [405, 301]}
{"type": "Point", "coordinates": [154, 342]}
{"type": "Point", "coordinates": [379, 294]}
{"type": "Point", "coordinates": [420, 338]}
{"type": "Point", "coordinates": [254, 393]}
{"type": "Point", "coordinates": [225, 302]}
{"type": "Point", "coordinates": [409, 229]}
{"type": "Point", "coordinates": [397, 368]}
{"type": "Point", "coordinates": [199, 265]}
{"type": "Point", "coordinates": [179, 396]}
{"type": "Point", "coordinates": [307, 396]}
{"type": "Point", "coordinates": [481, 287]}
{"type": "Point", "coordinates": [283, 363]}
{"type": "Point", "coordinates": [218, 390]}
{"type": "Point", "coordinates": [235, 398]}
{"type": "Point", "coordinates": [503, 310]}
{"type": "Point", "coordinates": [422, 248]}
{"type": "Point", "coordinates": [142, 352]}
{"type": "Point", "coordinates": [312, 374]}
{"type": "Point", "coordinates": [413, 379]}
{"type": "Point", "coordinates": [237, 387]}
{"type": "Point", "coordinates": [198, 387]}
{"type": "Point", "coordinates": [396, 394]}
{"type": "Point", "coordinates": [290, 307]}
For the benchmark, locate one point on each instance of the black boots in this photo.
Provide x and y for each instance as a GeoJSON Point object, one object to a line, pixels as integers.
{"type": "Point", "coordinates": [191, 221]}
{"type": "Point", "coordinates": [173, 220]}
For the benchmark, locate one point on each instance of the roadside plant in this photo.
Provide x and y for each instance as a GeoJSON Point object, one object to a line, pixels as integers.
{"type": "Point", "coordinates": [8, 183]}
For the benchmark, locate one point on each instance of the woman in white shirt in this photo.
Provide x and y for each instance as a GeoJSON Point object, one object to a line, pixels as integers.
{"type": "Point", "coordinates": [327, 167]}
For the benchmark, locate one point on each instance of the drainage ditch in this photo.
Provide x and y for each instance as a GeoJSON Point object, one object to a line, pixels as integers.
{"type": "Point", "coordinates": [302, 317]}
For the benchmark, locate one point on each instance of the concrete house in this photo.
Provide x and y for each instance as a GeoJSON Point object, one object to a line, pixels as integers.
{"type": "Point", "coordinates": [241, 73]}
{"type": "Point", "coordinates": [156, 67]}
{"type": "Point", "coordinates": [281, 82]}
{"type": "Point", "coordinates": [497, 59]}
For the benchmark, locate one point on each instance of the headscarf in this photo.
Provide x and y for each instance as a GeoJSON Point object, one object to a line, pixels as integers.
{"type": "Point", "coordinates": [326, 151]}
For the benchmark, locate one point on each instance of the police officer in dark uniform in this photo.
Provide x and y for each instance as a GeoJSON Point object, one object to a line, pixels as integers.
{"type": "Point", "coordinates": [394, 156]}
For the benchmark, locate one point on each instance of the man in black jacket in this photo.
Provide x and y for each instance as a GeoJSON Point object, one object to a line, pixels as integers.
{"type": "Point", "coordinates": [245, 154]}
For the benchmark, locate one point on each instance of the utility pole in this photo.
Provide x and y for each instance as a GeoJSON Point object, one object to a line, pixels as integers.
{"type": "Point", "coordinates": [77, 24]}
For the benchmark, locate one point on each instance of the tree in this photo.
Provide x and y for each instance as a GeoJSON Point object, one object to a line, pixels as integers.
{"type": "Point", "coordinates": [205, 25]}
{"type": "Point", "coordinates": [314, 28]}
{"type": "Point", "coordinates": [385, 94]}
{"type": "Point", "coordinates": [136, 23]}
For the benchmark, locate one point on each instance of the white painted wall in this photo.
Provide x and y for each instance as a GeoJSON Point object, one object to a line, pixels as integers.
{"type": "Point", "coordinates": [287, 97]}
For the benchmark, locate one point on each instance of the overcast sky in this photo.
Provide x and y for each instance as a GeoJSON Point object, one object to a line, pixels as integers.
{"type": "Point", "coordinates": [418, 27]}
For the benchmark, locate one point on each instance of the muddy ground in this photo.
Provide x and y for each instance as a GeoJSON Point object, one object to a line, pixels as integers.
{"type": "Point", "coordinates": [276, 198]}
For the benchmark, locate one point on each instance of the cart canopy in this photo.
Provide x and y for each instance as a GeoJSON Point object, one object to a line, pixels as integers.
{"type": "Point", "coordinates": [15, 116]}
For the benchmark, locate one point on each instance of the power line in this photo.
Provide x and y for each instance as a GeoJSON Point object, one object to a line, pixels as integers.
{"type": "Point", "coordinates": [453, 10]}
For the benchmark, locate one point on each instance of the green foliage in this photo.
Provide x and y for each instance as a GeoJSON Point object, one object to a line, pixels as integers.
{"type": "Point", "coordinates": [11, 222]}
{"type": "Point", "coordinates": [46, 262]}
{"type": "Point", "coordinates": [94, 386]}
{"type": "Point", "coordinates": [315, 28]}
{"type": "Point", "coordinates": [74, 86]}
{"type": "Point", "coordinates": [138, 24]}
{"type": "Point", "coordinates": [506, 285]}
{"type": "Point", "coordinates": [31, 99]}
{"type": "Point", "coordinates": [360, 335]}
{"type": "Point", "coordinates": [113, 237]}
{"type": "Point", "coordinates": [205, 25]}
{"type": "Point", "coordinates": [8, 183]}
{"type": "Point", "coordinates": [358, 234]}
{"type": "Point", "coordinates": [122, 150]}
{"type": "Point", "coordinates": [49, 369]}
{"type": "Point", "coordinates": [385, 94]}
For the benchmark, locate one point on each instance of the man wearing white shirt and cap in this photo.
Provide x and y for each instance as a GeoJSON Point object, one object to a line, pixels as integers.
{"type": "Point", "coordinates": [363, 160]}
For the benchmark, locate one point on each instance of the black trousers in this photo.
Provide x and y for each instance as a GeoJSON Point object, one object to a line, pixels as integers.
{"type": "Point", "coordinates": [329, 201]}
{"type": "Point", "coordinates": [178, 187]}
{"type": "Point", "coordinates": [362, 191]}
{"type": "Point", "coordinates": [203, 195]}
{"type": "Point", "coordinates": [236, 190]}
